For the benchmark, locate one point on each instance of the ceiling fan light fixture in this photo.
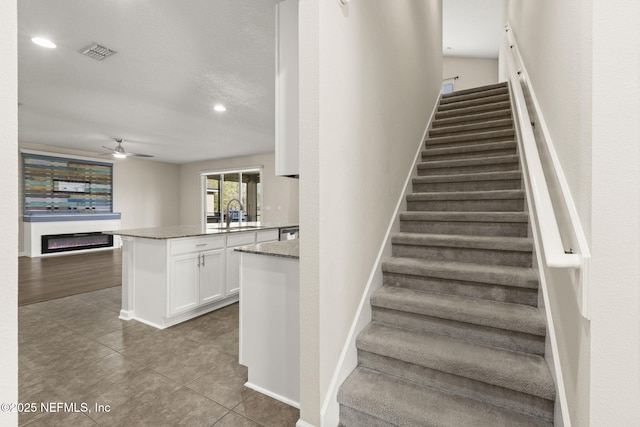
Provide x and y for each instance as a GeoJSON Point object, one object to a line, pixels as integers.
{"type": "Point", "coordinates": [119, 155]}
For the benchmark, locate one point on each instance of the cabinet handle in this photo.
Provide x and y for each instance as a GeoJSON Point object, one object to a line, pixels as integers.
{"type": "Point", "coordinates": [203, 260]}
{"type": "Point", "coordinates": [202, 244]}
{"type": "Point", "coordinates": [198, 261]}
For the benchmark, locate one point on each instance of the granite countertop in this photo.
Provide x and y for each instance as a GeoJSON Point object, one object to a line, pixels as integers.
{"type": "Point", "coordinates": [283, 249]}
{"type": "Point", "coordinates": [178, 231]}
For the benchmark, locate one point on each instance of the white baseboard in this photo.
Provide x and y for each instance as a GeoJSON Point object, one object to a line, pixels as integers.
{"type": "Point", "coordinates": [272, 395]}
{"type": "Point", "coordinates": [126, 315]}
{"type": "Point", "coordinates": [348, 360]}
{"type": "Point", "coordinates": [301, 423]}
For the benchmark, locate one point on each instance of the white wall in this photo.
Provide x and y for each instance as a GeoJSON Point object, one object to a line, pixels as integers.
{"type": "Point", "coordinates": [370, 74]}
{"type": "Point", "coordinates": [279, 199]}
{"type": "Point", "coordinates": [144, 191]}
{"type": "Point", "coordinates": [8, 208]}
{"type": "Point", "coordinates": [575, 70]}
{"type": "Point", "coordinates": [615, 218]}
{"type": "Point", "coordinates": [562, 84]}
{"type": "Point", "coordinates": [472, 72]}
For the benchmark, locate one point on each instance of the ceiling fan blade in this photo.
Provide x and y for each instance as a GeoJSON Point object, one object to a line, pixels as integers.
{"type": "Point", "coordinates": [111, 150]}
{"type": "Point", "coordinates": [125, 153]}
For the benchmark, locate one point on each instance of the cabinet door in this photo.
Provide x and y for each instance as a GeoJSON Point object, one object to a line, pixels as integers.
{"type": "Point", "coordinates": [233, 271]}
{"type": "Point", "coordinates": [184, 284]}
{"type": "Point", "coordinates": [212, 276]}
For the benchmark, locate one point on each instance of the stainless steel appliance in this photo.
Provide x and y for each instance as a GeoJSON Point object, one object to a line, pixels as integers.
{"type": "Point", "coordinates": [289, 233]}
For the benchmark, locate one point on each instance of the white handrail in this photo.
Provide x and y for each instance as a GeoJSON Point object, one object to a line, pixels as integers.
{"type": "Point", "coordinates": [554, 252]}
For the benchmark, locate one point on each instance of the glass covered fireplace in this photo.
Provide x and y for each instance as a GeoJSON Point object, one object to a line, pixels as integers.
{"type": "Point", "coordinates": [52, 243]}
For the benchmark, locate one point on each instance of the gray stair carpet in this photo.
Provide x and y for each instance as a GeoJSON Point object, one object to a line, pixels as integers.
{"type": "Point", "coordinates": [456, 337]}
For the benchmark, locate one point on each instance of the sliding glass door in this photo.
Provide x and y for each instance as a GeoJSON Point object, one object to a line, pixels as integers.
{"type": "Point", "coordinates": [222, 187]}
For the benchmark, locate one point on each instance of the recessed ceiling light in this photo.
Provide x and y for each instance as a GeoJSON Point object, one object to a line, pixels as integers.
{"type": "Point", "coordinates": [44, 42]}
{"type": "Point", "coordinates": [220, 108]}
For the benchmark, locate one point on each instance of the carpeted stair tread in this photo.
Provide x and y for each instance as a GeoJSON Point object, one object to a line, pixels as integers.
{"type": "Point", "coordinates": [472, 110]}
{"type": "Point", "coordinates": [498, 217]}
{"type": "Point", "coordinates": [525, 373]}
{"type": "Point", "coordinates": [471, 127]}
{"type": "Point", "coordinates": [457, 97]}
{"type": "Point", "coordinates": [473, 137]}
{"type": "Point", "coordinates": [455, 104]}
{"type": "Point", "coordinates": [476, 90]}
{"type": "Point", "coordinates": [507, 316]}
{"type": "Point", "coordinates": [521, 277]}
{"type": "Point", "coordinates": [464, 177]}
{"type": "Point", "coordinates": [466, 195]}
{"type": "Point", "coordinates": [503, 243]}
{"type": "Point", "coordinates": [404, 403]}
{"type": "Point", "coordinates": [492, 160]}
{"type": "Point", "coordinates": [468, 148]}
{"type": "Point", "coordinates": [472, 118]}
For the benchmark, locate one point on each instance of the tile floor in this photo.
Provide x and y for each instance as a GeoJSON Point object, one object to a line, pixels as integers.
{"type": "Point", "coordinates": [76, 350]}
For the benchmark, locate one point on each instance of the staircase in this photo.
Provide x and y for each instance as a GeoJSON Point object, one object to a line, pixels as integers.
{"type": "Point", "coordinates": [456, 337]}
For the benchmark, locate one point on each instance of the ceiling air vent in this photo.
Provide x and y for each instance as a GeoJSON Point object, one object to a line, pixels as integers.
{"type": "Point", "coordinates": [97, 52]}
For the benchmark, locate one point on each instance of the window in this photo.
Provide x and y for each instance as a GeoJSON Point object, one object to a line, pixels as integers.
{"type": "Point", "coordinates": [221, 187]}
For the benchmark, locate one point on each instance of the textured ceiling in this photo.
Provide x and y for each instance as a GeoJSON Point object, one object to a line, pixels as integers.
{"type": "Point", "coordinates": [174, 61]}
{"type": "Point", "coordinates": [472, 28]}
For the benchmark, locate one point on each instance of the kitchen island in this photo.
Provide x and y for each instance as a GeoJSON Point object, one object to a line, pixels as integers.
{"type": "Point", "coordinates": [172, 274]}
{"type": "Point", "coordinates": [270, 319]}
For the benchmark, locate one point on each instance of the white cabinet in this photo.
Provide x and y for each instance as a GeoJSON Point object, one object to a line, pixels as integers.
{"type": "Point", "coordinates": [168, 281]}
{"type": "Point", "coordinates": [212, 278]}
{"type": "Point", "coordinates": [184, 285]}
{"type": "Point", "coordinates": [196, 279]}
{"type": "Point", "coordinates": [233, 257]}
{"type": "Point", "coordinates": [287, 135]}
{"type": "Point", "coordinates": [197, 272]}
{"type": "Point", "coordinates": [233, 272]}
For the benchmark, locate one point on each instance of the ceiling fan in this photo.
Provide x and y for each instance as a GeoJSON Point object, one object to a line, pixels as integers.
{"type": "Point", "coordinates": [120, 153]}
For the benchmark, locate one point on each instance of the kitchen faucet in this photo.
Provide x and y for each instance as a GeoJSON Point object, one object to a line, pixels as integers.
{"type": "Point", "coordinates": [229, 212]}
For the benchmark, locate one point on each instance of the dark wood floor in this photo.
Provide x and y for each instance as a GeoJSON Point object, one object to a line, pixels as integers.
{"type": "Point", "coordinates": [45, 278]}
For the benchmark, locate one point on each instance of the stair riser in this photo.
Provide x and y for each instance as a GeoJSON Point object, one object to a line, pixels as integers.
{"type": "Point", "coordinates": [475, 95]}
{"type": "Point", "coordinates": [473, 102]}
{"type": "Point", "coordinates": [503, 184]}
{"type": "Point", "coordinates": [513, 229]}
{"type": "Point", "coordinates": [475, 90]}
{"type": "Point", "coordinates": [350, 417]}
{"type": "Point", "coordinates": [438, 133]}
{"type": "Point", "coordinates": [471, 138]}
{"type": "Point", "coordinates": [480, 256]}
{"type": "Point", "coordinates": [478, 109]}
{"type": "Point", "coordinates": [485, 291]}
{"type": "Point", "coordinates": [472, 118]}
{"type": "Point", "coordinates": [470, 128]}
{"type": "Point", "coordinates": [466, 142]}
{"type": "Point", "coordinates": [487, 393]}
{"type": "Point", "coordinates": [499, 205]}
{"type": "Point", "coordinates": [455, 170]}
{"type": "Point", "coordinates": [426, 157]}
{"type": "Point", "coordinates": [484, 335]}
